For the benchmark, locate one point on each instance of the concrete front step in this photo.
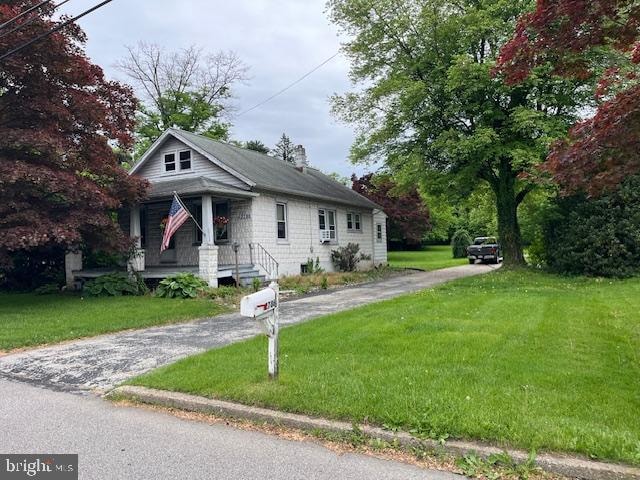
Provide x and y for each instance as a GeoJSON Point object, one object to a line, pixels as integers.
{"type": "Point", "coordinates": [247, 273]}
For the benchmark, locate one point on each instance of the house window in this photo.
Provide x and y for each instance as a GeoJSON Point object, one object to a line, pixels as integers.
{"type": "Point", "coordinates": [281, 219]}
{"type": "Point", "coordinates": [354, 222]}
{"type": "Point", "coordinates": [177, 161]}
{"type": "Point", "coordinates": [197, 233]}
{"type": "Point", "coordinates": [221, 220]}
{"type": "Point", "coordinates": [185, 160]}
{"type": "Point", "coordinates": [379, 232]}
{"type": "Point", "coordinates": [169, 162]}
{"type": "Point", "coordinates": [327, 224]}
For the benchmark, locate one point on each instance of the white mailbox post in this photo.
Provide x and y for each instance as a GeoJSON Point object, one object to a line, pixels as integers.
{"type": "Point", "coordinates": [263, 305]}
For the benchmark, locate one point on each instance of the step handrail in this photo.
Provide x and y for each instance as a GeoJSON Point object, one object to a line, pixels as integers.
{"type": "Point", "coordinates": [259, 255]}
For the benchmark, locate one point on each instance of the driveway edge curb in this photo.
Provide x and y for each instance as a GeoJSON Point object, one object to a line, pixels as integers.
{"type": "Point", "coordinates": [564, 465]}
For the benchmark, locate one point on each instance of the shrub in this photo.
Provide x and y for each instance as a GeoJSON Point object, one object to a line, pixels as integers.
{"type": "Point", "coordinates": [27, 270]}
{"type": "Point", "coordinates": [115, 285]}
{"type": "Point", "coordinates": [346, 259]}
{"type": "Point", "coordinates": [182, 285]}
{"type": "Point", "coordinates": [256, 283]}
{"type": "Point", "coordinates": [222, 292]}
{"type": "Point", "coordinates": [596, 237]}
{"type": "Point", "coordinates": [324, 284]}
{"type": "Point", "coordinates": [313, 267]}
{"type": "Point", "coordinates": [459, 243]}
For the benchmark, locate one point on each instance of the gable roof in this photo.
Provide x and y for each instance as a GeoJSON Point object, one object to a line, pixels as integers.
{"type": "Point", "coordinates": [267, 173]}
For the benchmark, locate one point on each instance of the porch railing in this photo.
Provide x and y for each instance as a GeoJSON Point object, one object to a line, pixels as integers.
{"type": "Point", "coordinates": [260, 256]}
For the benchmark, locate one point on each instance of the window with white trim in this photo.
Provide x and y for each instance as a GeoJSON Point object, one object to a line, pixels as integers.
{"type": "Point", "coordinates": [379, 232]}
{"type": "Point", "coordinates": [170, 162]}
{"type": "Point", "coordinates": [281, 220]}
{"type": "Point", "coordinates": [185, 160]}
{"type": "Point", "coordinates": [327, 224]}
{"type": "Point", "coordinates": [354, 222]}
{"type": "Point", "coordinates": [177, 161]}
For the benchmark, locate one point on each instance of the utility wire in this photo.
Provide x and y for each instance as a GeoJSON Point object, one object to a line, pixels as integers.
{"type": "Point", "coordinates": [266, 100]}
{"type": "Point", "coordinates": [53, 30]}
{"type": "Point", "coordinates": [30, 20]}
{"type": "Point", "coordinates": [26, 12]}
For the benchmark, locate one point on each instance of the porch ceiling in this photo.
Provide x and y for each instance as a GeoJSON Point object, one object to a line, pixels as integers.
{"type": "Point", "coordinates": [197, 185]}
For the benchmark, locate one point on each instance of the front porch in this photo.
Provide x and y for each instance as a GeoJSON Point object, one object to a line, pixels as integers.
{"type": "Point", "coordinates": [211, 252]}
{"type": "Point", "coordinates": [222, 212]}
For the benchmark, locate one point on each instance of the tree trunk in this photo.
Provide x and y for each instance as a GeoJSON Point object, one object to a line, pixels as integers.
{"type": "Point", "coordinates": [507, 205]}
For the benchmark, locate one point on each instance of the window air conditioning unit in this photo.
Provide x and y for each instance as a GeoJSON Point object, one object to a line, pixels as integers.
{"type": "Point", "coordinates": [325, 236]}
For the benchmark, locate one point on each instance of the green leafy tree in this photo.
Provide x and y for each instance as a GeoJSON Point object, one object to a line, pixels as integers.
{"type": "Point", "coordinates": [257, 146]}
{"type": "Point", "coordinates": [597, 236]}
{"type": "Point", "coordinates": [474, 212]}
{"type": "Point", "coordinates": [430, 104]}
{"type": "Point", "coordinates": [187, 111]}
{"type": "Point", "coordinates": [187, 89]}
{"type": "Point", "coordinates": [335, 176]}
{"type": "Point", "coordinates": [284, 149]}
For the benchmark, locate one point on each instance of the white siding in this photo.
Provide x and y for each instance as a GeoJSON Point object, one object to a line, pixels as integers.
{"type": "Point", "coordinates": [240, 230]}
{"type": "Point", "coordinates": [303, 240]}
{"type": "Point", "coordinates": [201, 166]}
{"type": "Point", "coordinates": [380, 248]}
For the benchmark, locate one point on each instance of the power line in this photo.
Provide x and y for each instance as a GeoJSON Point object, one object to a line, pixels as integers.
{"type": "Point", "coordinates": [26, 12]}
{"type": "Point", "coordinates": [266, 100]}
{"type": "Point", "coordinates": [53, 30]}
{"type": "Point", "coordinates": [30, 20]}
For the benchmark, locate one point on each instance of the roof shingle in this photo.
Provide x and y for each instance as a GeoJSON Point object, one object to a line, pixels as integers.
{"type": "Point", "coordinates": [274, 175]}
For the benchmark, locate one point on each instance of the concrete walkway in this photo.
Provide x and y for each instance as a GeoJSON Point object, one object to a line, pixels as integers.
{"type": "Point", "coordinates": [105, 361]}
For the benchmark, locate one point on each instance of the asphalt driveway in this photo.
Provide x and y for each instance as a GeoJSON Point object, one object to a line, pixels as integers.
{"type": "Point", "coordinates": [100, 363]}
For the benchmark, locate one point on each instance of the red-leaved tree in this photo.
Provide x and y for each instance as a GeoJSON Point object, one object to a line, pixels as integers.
{"type": "Point", "coordinates": [587, 39]}
{"type": "Point", "coordinates": [60, 181]}
{"type": "Point", "coordinates": [409, 219]}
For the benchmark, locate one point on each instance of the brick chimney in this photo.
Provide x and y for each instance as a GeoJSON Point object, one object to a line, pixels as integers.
{"type": "Point", "coordinates": [300, 157]}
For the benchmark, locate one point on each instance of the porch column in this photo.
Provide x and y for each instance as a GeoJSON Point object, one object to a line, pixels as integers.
{"type": "Point", "coordinates": [136, 261]}
{"type": "Point", "coordinates": [207, 221]}
{"type": "Point", "coordinates": [208, 251]}
{"type": "Point", "coordinates": [72, 262]}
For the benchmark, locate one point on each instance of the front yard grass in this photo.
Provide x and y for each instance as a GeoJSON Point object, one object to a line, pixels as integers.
{"type": "Point", "coordinates": [516, 358]}
{"type": "Point", "coordinates": [431, 258]}
{"type": "Point", "coordinates": [28, 320]}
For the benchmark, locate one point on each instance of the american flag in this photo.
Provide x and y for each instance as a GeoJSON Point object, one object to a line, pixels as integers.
{"type": "Point", "coordinates": [177, 216]}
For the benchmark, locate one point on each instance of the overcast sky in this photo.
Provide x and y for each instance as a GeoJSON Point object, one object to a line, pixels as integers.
{"type": "Point", "coordinates": [280, 40]}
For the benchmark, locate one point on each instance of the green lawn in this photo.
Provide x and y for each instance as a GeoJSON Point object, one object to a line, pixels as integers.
{"type": "Point", "coordinates": [516, 358]}
{"type": "Point", "coordinates": [432, 258]}
{"type": "Point", "coordinates": [27, 320]}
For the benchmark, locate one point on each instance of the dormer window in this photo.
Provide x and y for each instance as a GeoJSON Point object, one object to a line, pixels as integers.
{"type": "Point", "coordinates": [169, 162]}
{"type": "Point", "coordinates": [185, 160]}
{"type": "Point", "coordinates": [177, 161]}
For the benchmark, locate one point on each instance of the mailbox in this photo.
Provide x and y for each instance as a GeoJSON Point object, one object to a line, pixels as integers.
{"type": "Point", "coordinates": [259, 303]}
{"type": "Point", "coordinates": [263, 305]}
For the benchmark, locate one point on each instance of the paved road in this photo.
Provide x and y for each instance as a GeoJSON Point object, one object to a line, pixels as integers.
{"type": "Point", "coordinates": [131, 443]}
{"type": "Point", "coordinates": [103, 362]}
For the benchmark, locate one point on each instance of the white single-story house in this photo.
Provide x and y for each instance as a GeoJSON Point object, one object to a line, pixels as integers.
{"type": "Point", "coordinates": [277, 215]}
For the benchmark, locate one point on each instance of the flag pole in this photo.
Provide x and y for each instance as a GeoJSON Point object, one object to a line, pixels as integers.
{"type": "Point", "coordinates": [177, 197]}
